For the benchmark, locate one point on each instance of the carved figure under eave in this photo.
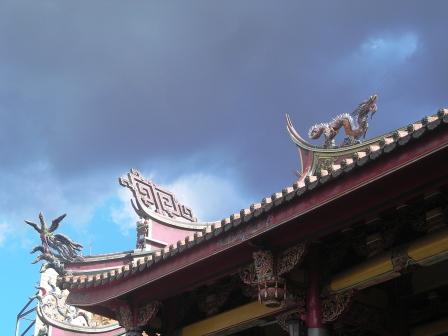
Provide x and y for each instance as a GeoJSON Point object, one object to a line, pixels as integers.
{"type": "Point", "coordinates": [354, 131]}
{"type": "Point", "coordinates": [55, 248]}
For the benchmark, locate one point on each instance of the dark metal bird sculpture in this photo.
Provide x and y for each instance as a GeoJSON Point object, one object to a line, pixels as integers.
{"type": "Point", "coordinates": [56, 249]}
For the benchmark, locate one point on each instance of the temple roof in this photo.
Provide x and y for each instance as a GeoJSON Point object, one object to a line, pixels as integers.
{"type": "Point", "coordinates": [320, 166]}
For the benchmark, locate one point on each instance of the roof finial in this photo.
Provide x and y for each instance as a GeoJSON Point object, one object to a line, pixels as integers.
{"type": "Point", "coordinates": [354, 131]}
{"type": "Point", "coordinates": [57, 248]}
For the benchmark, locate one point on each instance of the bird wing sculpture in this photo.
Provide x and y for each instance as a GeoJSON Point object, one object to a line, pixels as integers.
{"type": "Point", "coordinates": [55, 223]}
{"type": "Point", "coordinates": [56, 249]}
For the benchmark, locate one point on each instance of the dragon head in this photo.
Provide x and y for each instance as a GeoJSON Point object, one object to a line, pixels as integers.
{"type": "Point", "coordinates": [315, 131]}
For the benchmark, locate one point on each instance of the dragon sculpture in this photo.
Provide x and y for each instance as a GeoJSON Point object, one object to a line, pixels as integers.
{"type": "Point", "coordinates": [354, 131]}
{"type": "Point", "coordinates": [55, 249]}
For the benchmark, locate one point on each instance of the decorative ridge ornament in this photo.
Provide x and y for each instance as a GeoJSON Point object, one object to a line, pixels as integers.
{"type": "Point", "coordinates": [56, 249]}
{"type": "Point", "coordinates": [353, 130]}
{"type": "Point", "coordinates": [325, 159]}
{"type": "Point", "coordinates": [149, 197]}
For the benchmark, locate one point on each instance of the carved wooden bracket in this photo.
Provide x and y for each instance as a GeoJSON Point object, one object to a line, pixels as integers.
{"type": "Point", "coordinates": [263, 266]}
{"type": "Point", "coordinates": [266, 270]}
{"type": "Point", "coordinates": [282, 319]}
{"type": "Point", "coordinates": [336, 304]}
{"type": "Point", "coordinates": [271, 287]}
{"type": "Point", "coordinates": [133, 320]}
{"type": "Point", "coordinates": [210, 302]}
{"type": "Point", "coordinates": [290, 258]}
{"type": "Point", "coordinates": [401, 261]}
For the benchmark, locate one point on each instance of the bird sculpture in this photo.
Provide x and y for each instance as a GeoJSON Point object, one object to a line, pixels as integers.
{"type": "Point", "coordinates": [56, 249]}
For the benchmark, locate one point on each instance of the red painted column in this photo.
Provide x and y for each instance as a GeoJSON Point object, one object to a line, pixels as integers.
{"type": "Point", "coordinates": [313, 301]}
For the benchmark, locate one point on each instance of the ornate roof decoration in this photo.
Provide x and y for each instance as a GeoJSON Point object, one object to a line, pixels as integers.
{"type": "Point", "coordinates": [317, 160]}
{"type": "Point", "coordinates": [56, 249]}
{"type": "Point", "coordinates": [53, 309]}
{"type": "Point", "coordinates": [354, 131]}
{"type": "Point", "coordinates": [319, 167]}
{"type": "Point", "coordinates": [267, 270]}
{"type": "Point", "coordinates": [150, 198]}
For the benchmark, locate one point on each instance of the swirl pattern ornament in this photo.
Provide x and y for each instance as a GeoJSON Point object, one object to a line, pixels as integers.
{"type": "Point", "coordinates": [264, 265]}
{"type": "Point", "coordinates": [266, 271]}
{"type": "Point", "coordinates": [290, 258]}
{"type": "Point", "coordinates": [334, 305]}
{"type": "Point", "coordinates": [134, 320]}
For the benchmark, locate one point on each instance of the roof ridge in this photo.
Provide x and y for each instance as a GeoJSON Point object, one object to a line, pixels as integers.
{"type": "Point", "coordinates": [383, 144]}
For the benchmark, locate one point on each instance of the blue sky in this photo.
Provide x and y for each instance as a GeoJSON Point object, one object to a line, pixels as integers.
{"type": "Point", "coordinates": [193, 94]}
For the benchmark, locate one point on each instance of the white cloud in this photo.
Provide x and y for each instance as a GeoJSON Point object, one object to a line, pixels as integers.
{"type": "Point", "coordinates": [378, 58]}
{"type": "Point", "coordinates": [390, 49]}
{"type": "Point", "coordinates": [124, 215]}
{"type": "Point", "coordinates": [5, 231]}
{"type": "Point", "coordinates": [35, 188]}
{"type": "Point", "coordinates": [210, 196]}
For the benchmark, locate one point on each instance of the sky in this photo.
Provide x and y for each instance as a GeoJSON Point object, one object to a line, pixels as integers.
{"type": "Point", "coordinates": [191, 93]}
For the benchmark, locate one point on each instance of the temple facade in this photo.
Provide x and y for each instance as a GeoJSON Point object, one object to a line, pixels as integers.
{"type": "Point", "coordinates": [357, 245]}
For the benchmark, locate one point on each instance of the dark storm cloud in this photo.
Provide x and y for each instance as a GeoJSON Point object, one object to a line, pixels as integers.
{"type": "Point", "coordinates": [92, 88]}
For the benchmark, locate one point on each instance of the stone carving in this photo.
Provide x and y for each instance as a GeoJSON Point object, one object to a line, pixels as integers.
{"type": "Point", "coordinates": [334, 305]}
{"type": "Point", "coordinates": [55, 249]}
{"type": "Point", "coordinates": [43, 331]}
{"type": "Point", "coordinates": [52, 307]}
{"type": "Point", "coordinates": [142, 233]}
{"type": "Point", "coordinates": [325, 164]}
{"type": "Point", "coordinates": [354, 131]}
{"type": "Point", "coordinates": [150, 197]}
{"type": "Point", "coordinates": [97, 321]}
